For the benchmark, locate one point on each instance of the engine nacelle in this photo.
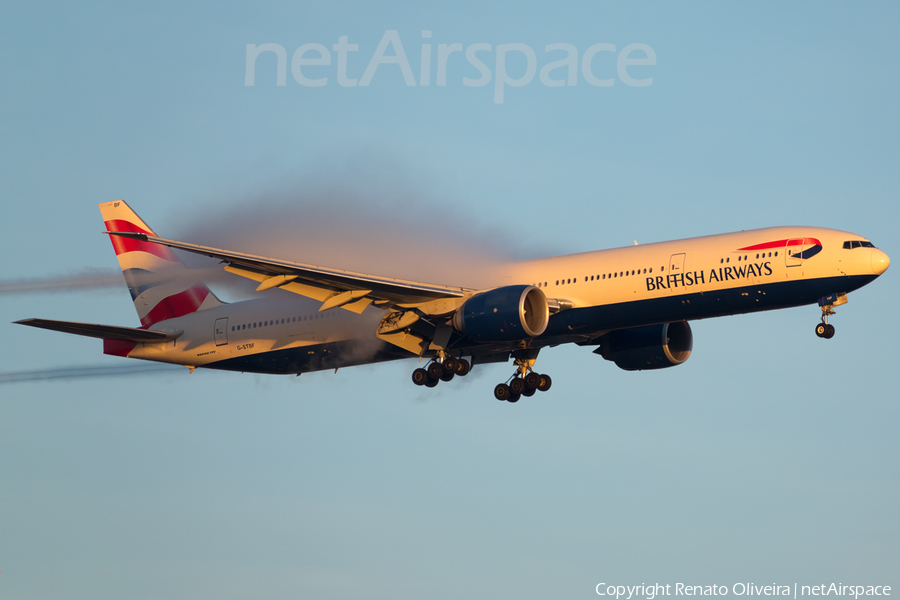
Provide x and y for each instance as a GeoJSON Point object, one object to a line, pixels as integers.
{"type": "Point", "coordinates": [510, 313]}
{"type": "Point", "coordinates": [651, 347]}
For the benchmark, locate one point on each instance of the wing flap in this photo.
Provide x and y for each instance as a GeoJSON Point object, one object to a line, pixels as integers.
{"type": "Point", "coordinates": [103, 332]}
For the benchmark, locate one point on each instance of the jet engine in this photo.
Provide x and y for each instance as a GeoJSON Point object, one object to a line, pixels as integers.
{"type": "Point", "coordinates": [510, 313]}
{"type": "Point", "coordinates": [651, 347]}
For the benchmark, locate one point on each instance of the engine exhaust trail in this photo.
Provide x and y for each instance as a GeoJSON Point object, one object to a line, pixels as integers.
{"type": "Point", "coordinates": [84, 372]}
{"type": "Point", "coordinates": [87, 280]}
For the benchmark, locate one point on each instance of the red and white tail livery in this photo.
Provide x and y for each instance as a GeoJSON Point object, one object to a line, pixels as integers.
{"type": "Point", "coordinates": [161, 286]}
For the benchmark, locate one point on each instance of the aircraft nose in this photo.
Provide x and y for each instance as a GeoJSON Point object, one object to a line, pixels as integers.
{"type": "Point", "coordinates": [880, 261]}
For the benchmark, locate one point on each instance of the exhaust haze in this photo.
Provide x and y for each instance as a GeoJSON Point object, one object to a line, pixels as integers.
{"type": "Point", "coordinates": [358, 220]}
{"type": "Point", "coordinates": [378, 231]}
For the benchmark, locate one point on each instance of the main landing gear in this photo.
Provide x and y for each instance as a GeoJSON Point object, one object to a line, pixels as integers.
{"type": "Point", "coordinates": [525, 381]}
{"type": "Point", "coordinates": [516, 386]}
{"type": "Point", "coordinates": [444, 370]}
{"type": "Point", "coordinates": [827, 304]}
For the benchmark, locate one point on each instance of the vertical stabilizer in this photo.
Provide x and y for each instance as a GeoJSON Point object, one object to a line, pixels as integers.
{"type": "Point", "coordinates": [160, 285]}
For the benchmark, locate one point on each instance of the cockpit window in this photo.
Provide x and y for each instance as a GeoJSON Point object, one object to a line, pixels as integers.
{"type": "Point", "coordinates": [858, 244]}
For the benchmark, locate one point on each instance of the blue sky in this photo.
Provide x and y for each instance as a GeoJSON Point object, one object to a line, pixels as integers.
{"type": "Point", "coordinates": [770, 456]}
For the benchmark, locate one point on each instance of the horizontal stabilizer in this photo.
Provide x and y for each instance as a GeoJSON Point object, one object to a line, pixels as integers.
{"type": "Point", "coordinates": [104, 332]}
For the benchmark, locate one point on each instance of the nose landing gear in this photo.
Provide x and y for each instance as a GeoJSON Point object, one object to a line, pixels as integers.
{"type": "Point", "coordinates": [827, 304]}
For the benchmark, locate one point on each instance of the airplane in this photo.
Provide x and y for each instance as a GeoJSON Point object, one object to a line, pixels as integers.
{"type": "Point", "coordinates": [634, 304]}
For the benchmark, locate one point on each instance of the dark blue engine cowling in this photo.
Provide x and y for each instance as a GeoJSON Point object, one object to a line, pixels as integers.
{"type": "Point", "coordinates": [651, 347]}
{"type": "Point", "coordinates": [510, 313]}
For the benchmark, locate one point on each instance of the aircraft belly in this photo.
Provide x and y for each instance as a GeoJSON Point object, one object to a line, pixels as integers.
{"type": "Point", "coordinates": [313, 357]}
{"type": "Point", "coordinates": [698, 305]}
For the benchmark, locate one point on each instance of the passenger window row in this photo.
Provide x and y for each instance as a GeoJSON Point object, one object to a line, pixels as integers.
{"type": "Point", "coordinates": [744, 257]}
{"type": "Point", "coordinates": [599, 277]}
{"type": "Point", "coordinates": [616, 275]}
{"type": "Point", "coordinates": [261, 324]}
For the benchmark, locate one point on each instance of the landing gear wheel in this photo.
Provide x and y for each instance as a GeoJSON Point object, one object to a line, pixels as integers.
{"type": "Point", "coordinates": [829, 331]}
{"type": "Point", "coordinates": [463, 367]}
{"type": "Point", "coordinates": [514, 398]}
{"type": "Point", "coordinates": [446, 376]}
{"type": "Point", "coordinates": [529, 392]}
{"type": "Point", "coordinates": [545, 383]}
{"type": "Point", "coordinates": [431, 382]}
{"type": "Point", "coordinates": [449, 365]}
{"type": "Point", "coordinates": [502, 392]}
{"type": "Point", "coordinates": [517, 385]}
{"type": "Point", "coordinates": [435, 370]}
{"type": "Point", "coordinates": [420, 377]}
{"type": "Point", "coordinates": [532, 380]}
{"type": "Point", "coordinates": [821, 328]}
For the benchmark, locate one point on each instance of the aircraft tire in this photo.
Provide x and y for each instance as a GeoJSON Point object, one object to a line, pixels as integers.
{"type": "Point", "coordinates": [545, 383]}
{"type": "Point", "coordinates": [446, 376]}
{"type": "Point", "coordinates": [517, 385]}
{"type": "Point", "coordinates": [420, 377]}
{"type": "Point", "coordinates": [821, 328]}
{"type": "Point", "coordinates": [829, 332]}
{"type": "Point", "coordinates": [431, 382]}
{"type": "Point", "coordinates": [529, 392]}
{"type": "Point", "coordinates": [514, 398]}
{"type": "Point", "coordinates": [463, 367]}
{"type": "Point", "coordinates": [532, 380]}
{"type": "Point", "coordinates": [435, 370]}
{"type": "Point", "coordinates": [449, 365]}
{"type": "Point", "coordinates": [502, 392]}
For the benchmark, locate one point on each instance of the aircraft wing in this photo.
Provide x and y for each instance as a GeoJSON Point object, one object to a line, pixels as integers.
{"type": "Point", "coordinates": [333, 287]}
{"type": "Point", "coordinates": [104, 332]}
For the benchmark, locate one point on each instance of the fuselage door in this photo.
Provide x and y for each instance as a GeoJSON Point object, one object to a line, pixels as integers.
{"type": "Point", "coordinates": [222, 331]}
{"type": "Point", "coordinates": [676, 264]}
{"type": "Point", "coordinates": [792, 252]}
